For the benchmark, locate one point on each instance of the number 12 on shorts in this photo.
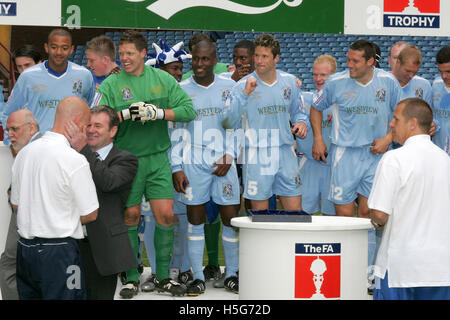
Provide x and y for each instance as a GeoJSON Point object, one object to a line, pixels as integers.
{"type": "Point", "coordinates": [336, 192]}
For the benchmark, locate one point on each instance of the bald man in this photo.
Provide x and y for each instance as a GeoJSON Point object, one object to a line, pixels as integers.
{"type": "Point", "coordinates": [54, 194]}
{"type": "Point", "coordinates": [22, 128]}
{"type": "Point", "coordinates": [409, 200]}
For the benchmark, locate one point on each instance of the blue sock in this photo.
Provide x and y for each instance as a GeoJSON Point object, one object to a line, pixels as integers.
{"type": "Point", "coordinates": [230, 240]}
{"type": "Point", "coordinates": [149, 234]}
{"type": "Point", "coordinates": [175, 261]}
{"type": "Point", "coordinates": [378, 237]}
{"type": "Point", "coordinates": [372, 246]}
{"type": "Point", "coordinates": [141, 229]}
{"type": "Point", "coordinates": [185, 262]}
{"type": "Point", "coordinates": [273, 202]}
{"type": "Point", "coordinates": [196, 246]}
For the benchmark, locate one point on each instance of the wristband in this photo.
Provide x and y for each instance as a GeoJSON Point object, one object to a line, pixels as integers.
{"type": "Point", "coordinates": [160, 114]}
{"type": "Point", "coordinates": [377, 225]}
{"type": "Point", "coordinates": [125, 114]}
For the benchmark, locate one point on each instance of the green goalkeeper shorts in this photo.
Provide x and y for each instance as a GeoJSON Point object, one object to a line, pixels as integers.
{"type": "Point", "coordinates": [153, 179]}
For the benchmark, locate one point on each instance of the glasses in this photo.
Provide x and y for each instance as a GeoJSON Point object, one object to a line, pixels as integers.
{"type": "Point", "coordinates": [15, 129]}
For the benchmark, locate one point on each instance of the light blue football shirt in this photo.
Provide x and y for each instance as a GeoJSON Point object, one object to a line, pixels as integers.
{"type": "Point", "coordinates": [39, 90]}
{"type": "Point", "coordinates": [361, 113]}
{"type": "Point", "coordinates": [418, 87]}
{"type": "Point", "coordinates": [205, 131]}
{"type": "Point", "coordinates": [305, 145]}
{"type": "Point", "coordinates": [441, 114]}
{"type": "Point", "coordinates": [2, 106]}
{"type": "Point", "coordinates": [268, 111]}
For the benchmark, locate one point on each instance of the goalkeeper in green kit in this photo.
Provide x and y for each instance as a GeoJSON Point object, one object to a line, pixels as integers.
{"type": "Point", "coordinates": [145, 98]}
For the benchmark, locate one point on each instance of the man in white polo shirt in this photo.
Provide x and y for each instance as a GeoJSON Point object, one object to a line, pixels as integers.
{"type": "Point", "coordinates": [410, 200]}
{"type": "Point", "coordinates": [53, 193]}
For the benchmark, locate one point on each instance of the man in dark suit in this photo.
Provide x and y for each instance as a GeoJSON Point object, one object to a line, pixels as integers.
{"type": "Point", "coordinates": [106, 251]}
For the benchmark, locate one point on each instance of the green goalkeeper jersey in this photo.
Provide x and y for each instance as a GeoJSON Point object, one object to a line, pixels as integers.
{"type": "Point", "coordinates": [153, 86]}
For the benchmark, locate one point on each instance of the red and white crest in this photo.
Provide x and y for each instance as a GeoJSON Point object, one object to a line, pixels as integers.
{"type": "Point", "coordinates": [317, 271]}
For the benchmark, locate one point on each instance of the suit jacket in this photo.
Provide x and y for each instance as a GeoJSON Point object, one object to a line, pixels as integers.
{"type": "Point", "coordinates": [108, 235]}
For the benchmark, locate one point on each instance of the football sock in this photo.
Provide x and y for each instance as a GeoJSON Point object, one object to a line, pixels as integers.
{"type": "Point", "coordinates": [180, 258]}
{"type": "Point", "coordinates": [185, 264]}
{"type": "Point", "coordinates": [230, 240]}
{"type": "Point", "coordinates": [196, 244]}
{"type": "Point", "coordinates": [372, 247]}
{"type": "Point", "coordinates": [149, 235]}
{"type": "Point", "coordinates": [163, 245]}
{"type": "Point", "coordinates": [212, 233]}
{"type": "Point", "coordinates": [175, 261]}
{"type": "Point", "coordinates": [133, 274]}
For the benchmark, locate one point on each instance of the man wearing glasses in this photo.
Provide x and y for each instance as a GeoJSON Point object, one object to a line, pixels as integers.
{"type": "Point", "coordinates": [22, 128]}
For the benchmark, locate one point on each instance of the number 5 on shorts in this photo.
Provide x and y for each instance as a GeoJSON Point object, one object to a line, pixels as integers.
{"type": "Point", "coordinates": [252, 187]}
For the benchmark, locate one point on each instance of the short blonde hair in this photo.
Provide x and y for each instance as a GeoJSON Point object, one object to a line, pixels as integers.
{"type": "Point", "coordinates": [103, 46]}
{"type": "Point", "coordinates": [410, 53]}
{"type": "Point", "coordinates": [324, 58]}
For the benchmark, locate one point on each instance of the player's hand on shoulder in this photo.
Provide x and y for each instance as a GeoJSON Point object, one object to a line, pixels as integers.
{"type": "Point", "coordinates": [299, 82]}
{"type": "Point", "coordinates": [432, 131]}
{"type": "Point", "coordinates": [115, 70]}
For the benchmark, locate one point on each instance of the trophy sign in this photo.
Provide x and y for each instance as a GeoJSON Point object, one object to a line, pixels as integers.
{"type": "Point", "coordinates": [317, 271]}
{"type": "Point", "coordinates": [411, 9]}
{"type": "Point", "coordinates": [412, 14]}
{"type": "Point", "coordinates": [318, 268]}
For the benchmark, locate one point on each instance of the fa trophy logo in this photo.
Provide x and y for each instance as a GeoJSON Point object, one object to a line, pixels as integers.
{"type": "Point", "coordinates": [318, 268]}
{"type": "Point", "coordinates": [317, 271]}
{"type": "Point", "coordinates": [412, 14]}
{"type": "Point", "coordinates": [411, 9]}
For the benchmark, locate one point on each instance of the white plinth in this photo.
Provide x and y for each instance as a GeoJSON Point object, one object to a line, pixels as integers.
{"type": "Point", "coordinates": [6, 161]}
{"type": "Point", "coordinates": [275, 259]}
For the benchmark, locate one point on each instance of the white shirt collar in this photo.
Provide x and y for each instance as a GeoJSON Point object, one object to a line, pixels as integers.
{"type": "Point", "coordinates": [417, 137]}
{"type": "Point", "coordinates": [56, 137]}
{"type": "Point", "coordinates": [103, 152]}
{"type": "Point", "coordinates": [34, 137]}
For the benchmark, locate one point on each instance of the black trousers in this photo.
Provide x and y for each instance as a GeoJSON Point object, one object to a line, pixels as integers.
{"type": "Point", "coordinates": [49, 269]}
{"type": "Point", "coordinates": [98, 287]}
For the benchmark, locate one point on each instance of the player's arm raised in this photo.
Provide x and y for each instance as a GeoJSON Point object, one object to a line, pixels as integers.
{"type": "Point", "coordinates": [235, 105]}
